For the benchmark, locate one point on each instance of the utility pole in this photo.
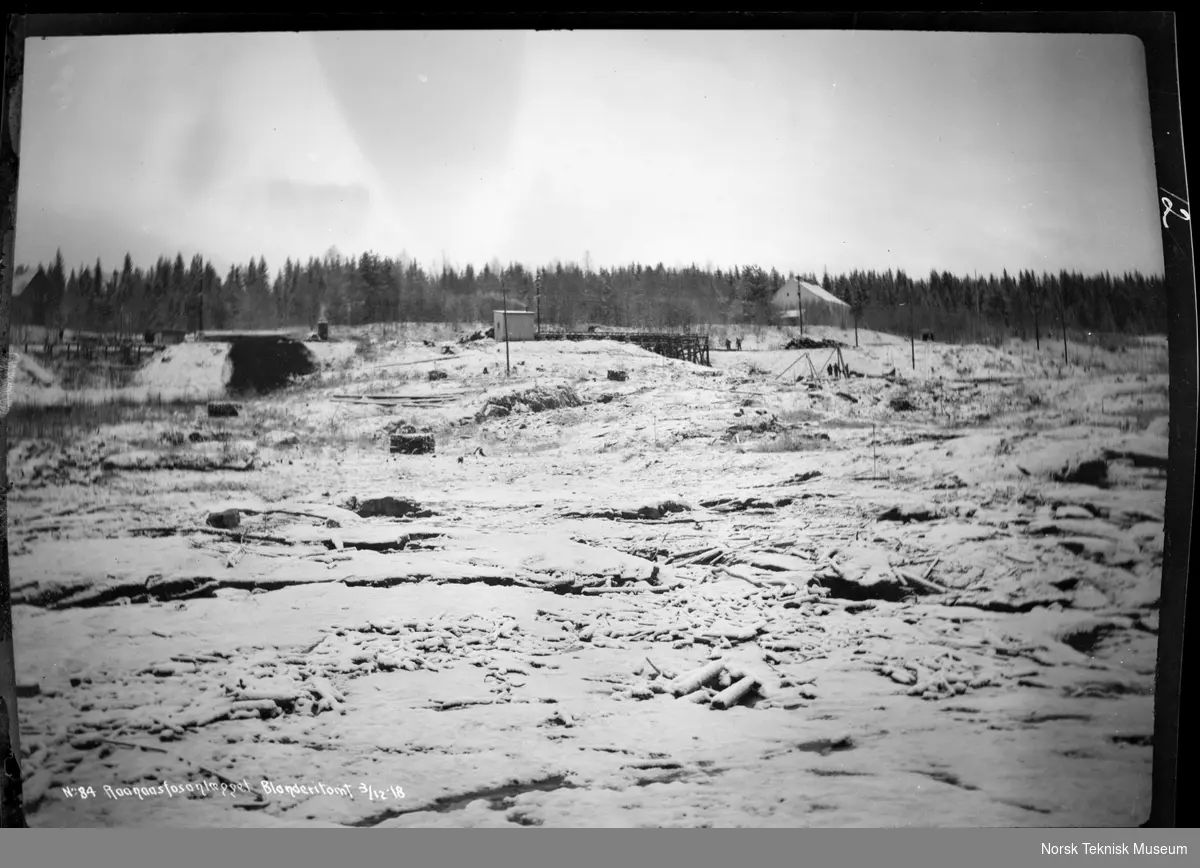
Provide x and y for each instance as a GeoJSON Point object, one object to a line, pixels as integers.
{"type": "Point", "coordinates": [799, 307]}
{"type": "Point", "coordinates": [912, 341]}
{"type": "Point", "coordinates": [504, 320]}
{"type": "Point", "coordinates": [1062, 312]}
{"type": "Point", "coordinates": [1037, 331]}
{"type": "Point", "coordinates": [538, 283]}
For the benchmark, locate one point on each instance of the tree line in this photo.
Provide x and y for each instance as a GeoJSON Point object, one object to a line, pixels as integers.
{"type": "Point", "coordinates": [172, 294]}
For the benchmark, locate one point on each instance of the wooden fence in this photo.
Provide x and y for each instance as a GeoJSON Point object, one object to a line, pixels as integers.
{"type": "Point", "coordinates": [130, 353]}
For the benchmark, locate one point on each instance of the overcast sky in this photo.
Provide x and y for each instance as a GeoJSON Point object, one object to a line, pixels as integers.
{"type": "Point", "coordinates": [797, 150]}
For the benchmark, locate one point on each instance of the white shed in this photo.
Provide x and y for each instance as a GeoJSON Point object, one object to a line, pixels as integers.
{"type": "Point", "coordinates": [519, 323]}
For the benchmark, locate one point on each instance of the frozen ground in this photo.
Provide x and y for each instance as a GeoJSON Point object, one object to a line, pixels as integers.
{"type": "Point", "coordinates": [938, 588]}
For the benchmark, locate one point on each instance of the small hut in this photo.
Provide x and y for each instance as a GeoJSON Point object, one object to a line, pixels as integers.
{"type": "Point", "coordinates": [519, 325]}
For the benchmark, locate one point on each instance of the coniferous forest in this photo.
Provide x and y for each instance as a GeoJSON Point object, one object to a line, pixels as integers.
{"type": "Point", "coordinates": [174, 294]}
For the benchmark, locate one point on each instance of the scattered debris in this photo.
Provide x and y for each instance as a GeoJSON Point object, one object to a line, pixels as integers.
{"type": "Point", "coordinates": [201, 435]}
{"type": "Point", "coordinates": [408, 400]}
{"type": "Point", "coordinates": [535, 400]}
{"type": "Point", "coordinates": [800, 478]}
{"type": "Point", "coordinates": [412, 444]}
{"type": "Point", "coordinates": [857, 584]}
{"type": "Point", "coordinates": [738, 570]}
{"type": "Point", "coordinates": [478, 336]}
{"type": "Point", "coordinates": [806, 343]}
{"type": "Point", "coordinates": [223, 409]}
{"type": "Point", "coordinates": [941, 676]}
{"type": "Point", "coordinates": [761, 425]}
{"type": "Point", "coordinates": [281, 439]}
{"type": "Point", "coordinates": [391, 506]}
{"type": "Point", "coordinates": [226, 519]}
{"type": "Point", "coordinates": [1149, 453]}
{"type": "Point", "coordinates": [238, 459]}
{"type": "Point", "coordinates": [1086, 472]}
{"type": "Point", "coordinates": [910, 512]}
{"type": "Point", "coordinates": [741, 504]}
{"type": "Point", "coordinates": [649, 511]}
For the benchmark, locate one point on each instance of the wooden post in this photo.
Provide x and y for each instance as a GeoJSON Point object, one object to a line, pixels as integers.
{"type": "Point", "coordinates": [504, 319]}
{"type": "Point", "coordinates": [911, 340]}
{"type": "Point", "coordinates": [1062, 312]}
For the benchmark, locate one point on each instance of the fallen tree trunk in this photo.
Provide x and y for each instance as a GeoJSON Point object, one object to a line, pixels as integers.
{"type": "Point", "coordinates": [735, 693]}
{"type": "Point", "coordinates": [276, 696]}
{"type": "Point", "coordinates": [761, 581]}
{"type": "Point", "coordinates": [698, 678]}
{"type": "Point", "coordinates": [923, 584]}
{"type": "Point", "coordinates": [203, 716]}
{"type": "Point", "coordinates": [736, 634]}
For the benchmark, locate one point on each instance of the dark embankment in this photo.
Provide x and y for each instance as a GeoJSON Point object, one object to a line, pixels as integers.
{"type": "Point", "coordinates": [262, 363]}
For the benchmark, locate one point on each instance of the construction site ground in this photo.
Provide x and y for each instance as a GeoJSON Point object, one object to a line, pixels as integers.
{"type": "Point", "coordinates": [929, 597]}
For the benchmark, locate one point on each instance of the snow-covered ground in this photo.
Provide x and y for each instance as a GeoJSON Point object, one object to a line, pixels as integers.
{"type": "Point", "coordinates": [941, 585]}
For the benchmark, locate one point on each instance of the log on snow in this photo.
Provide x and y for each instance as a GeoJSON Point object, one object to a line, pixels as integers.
{"type": "Point", "coordinates": [698, 678]}
{"type": "Point", "coordinates": [325, 692]}
{"type": "Point", "coordinates": [735, 693]}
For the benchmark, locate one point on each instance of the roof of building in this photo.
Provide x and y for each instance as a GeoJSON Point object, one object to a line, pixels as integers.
{"type": "Point", "coordinates": [788, 292]}
{"type": "Point", "coordinates": [529, 312]}
{"type": "Point", "coordinates": [21, 281]}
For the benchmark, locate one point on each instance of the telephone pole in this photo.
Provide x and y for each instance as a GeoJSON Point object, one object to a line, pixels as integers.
{"type": "Point", "coordinates": [912, 341]}
{"type": "Point", "coordinates": [1062, 313]}
{"type": "Point", "coordinates": [504, 320]}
